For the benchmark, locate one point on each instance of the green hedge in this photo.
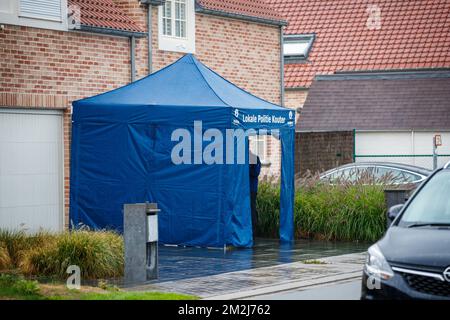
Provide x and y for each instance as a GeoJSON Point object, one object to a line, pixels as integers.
{"type": "Point", "coordinates": [352, 212]}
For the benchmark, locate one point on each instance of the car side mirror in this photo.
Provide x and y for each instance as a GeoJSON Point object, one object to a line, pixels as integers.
{"type": "Point", "coordinates": [394, 211]}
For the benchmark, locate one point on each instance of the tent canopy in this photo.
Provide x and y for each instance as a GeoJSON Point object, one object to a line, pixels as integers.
{"type": "Point", "coordinates": [122, 152]}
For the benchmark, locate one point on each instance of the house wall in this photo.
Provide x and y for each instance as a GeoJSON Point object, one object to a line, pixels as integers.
{"type": "Point", "coordinates": [49, 69]}
{"type": "Point", "coordinates": [320, 151]}
{"type": "Point", "coordinates": [295, 98]}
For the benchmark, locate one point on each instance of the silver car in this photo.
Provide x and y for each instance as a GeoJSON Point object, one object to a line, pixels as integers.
{"type": "Point", "coordinates": [377, 172]}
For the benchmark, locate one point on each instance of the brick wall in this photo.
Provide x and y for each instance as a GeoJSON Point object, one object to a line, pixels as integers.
{"type": "Point", "coordinates": [320, 151]}
{"type": "Point", "coordinates": [295, 98]}
{"type": "Point", "coordinates": [49, 69]}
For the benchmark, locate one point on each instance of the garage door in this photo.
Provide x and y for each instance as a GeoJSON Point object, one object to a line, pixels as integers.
{"type": "Point", "coordinates": [31, 189]}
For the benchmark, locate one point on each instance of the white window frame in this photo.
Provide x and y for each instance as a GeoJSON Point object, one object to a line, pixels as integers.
{"type": "Point", "coordinates": [304, 38]}
{"type": "Point", "coordinates": [172, 42]}
{"type": "Point", "coordinates": [12, 16]}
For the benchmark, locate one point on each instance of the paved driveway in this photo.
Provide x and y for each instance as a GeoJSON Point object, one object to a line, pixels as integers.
{"type": "Point", "coordinates": [181, 263]}
{"type": "Point", "coordinates": [266, 280]}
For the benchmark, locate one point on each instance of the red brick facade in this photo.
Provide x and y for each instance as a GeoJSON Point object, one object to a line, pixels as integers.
{"type": "Point", "coordinates": [49, 69]}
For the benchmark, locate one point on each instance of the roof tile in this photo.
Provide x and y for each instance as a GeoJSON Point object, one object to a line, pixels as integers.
{"type": "Point", "coordinates": [104, 14]}
{"type": "Point", "coordinates": [392, 101]}
{"type": "Point", "coordinates": [412, 35]}
{"type": "Point", "coordinates": [252, 8]}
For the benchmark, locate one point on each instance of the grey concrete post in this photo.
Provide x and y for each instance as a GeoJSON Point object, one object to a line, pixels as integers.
{"type": "Point", "coordinates": [141, 242]}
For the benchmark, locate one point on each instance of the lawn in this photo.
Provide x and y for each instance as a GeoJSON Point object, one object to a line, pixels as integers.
{"type": "Point", "coordinates": [15, 287]}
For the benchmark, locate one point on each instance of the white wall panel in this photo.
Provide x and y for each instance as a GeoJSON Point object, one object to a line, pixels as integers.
{"type": "Point", "coordinates": [31, 194]}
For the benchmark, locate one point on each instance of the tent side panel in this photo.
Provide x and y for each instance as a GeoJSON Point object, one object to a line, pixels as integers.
{"type": "Point", "coordinates": [189, 195]}
{"type": "Point", "coordinates": [109, 170]}
{"type": "Point", "coordinates": [287, 185]}
{"type": "Point", "coordinates": [238, 223]}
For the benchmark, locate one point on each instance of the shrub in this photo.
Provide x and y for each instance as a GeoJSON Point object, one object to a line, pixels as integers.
{"type": "Point", "coordinates": [15, 285]}
{"type": "Point", "coordinates": [268, 207]}
{"type": "Point", "coordinates": [98, 254]}
{"type": "Point", "coordinates": [14, 244]}
{"type": "Point", "coordinates": [354, 212]}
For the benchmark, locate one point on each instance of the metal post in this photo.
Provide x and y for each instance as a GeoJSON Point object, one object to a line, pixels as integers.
{"type": "Point", "coordinates": [435, 156]}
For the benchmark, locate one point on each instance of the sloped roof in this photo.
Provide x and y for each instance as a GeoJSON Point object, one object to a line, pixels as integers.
{"type": "Point", "coordinates": [413, 34]}
{"type": "Point", "coordinates": [258, 9]}
{"type": "Point", "coordinates": [104, 14]}
{"type": "Point", "coordinates": [378, 101]}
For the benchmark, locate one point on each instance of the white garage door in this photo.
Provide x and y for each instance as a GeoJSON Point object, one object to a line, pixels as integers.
{"type": "Point", "coordinates": [31, 189]}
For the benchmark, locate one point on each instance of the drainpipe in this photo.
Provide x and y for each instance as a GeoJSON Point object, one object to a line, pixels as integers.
{"type": "Point", "coordinates": [132, 58]}
{"type": "Point", "coordinates": [281, 67]}
{"type": "Point", "coordinates": [149, 37]}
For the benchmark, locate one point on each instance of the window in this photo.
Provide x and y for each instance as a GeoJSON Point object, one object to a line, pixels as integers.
{"type": "Point", "coordinates": [431, 204]}
{"type": "Point", "coordinates": [46, 14]}
{"type": "Point", "coordinates": [167, 18]}
{"type": "Point", "coordinates": [258, 145]}
{"type": "Point", "coordinates": [297, 47]}
{"type": "Point", "coordinates": [180, 18]}
{"type": "Point", "coordinates": [177, 26]}
{"type": "Point", "coordinates": [394, 176]}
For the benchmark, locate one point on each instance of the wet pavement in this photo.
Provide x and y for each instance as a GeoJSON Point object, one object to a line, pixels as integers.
{"type": "Point", "coordinates": [347, 290]}
{"type": "Point", "coordinates": [263, 281]}
{"type": "Point", "coordinates": [178, 263]}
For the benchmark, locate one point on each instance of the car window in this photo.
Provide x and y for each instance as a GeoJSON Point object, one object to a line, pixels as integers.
{"type": "Point", "coordinates": [349, 174]}
{"type": "Point", "coordinates": [393, 175]}
{"type": "Point", "coordinates": [432, 203]}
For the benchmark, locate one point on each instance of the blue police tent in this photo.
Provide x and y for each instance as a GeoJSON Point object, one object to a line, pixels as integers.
{"type": "Point", "coordinates": [123, 146]}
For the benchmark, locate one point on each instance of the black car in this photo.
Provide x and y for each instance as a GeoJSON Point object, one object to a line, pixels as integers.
{"type": "Point", "coordinates": [412, 260]}
{"type": "Point", "coordinates": [376, 172]}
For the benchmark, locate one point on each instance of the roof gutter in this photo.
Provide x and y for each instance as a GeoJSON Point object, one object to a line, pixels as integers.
{"type": "Point", "coordinates": [220, 13]}
{"type": "Point", "coordinates": [383, 76]}
{"type": "Point", "coordinates": [111, 31]}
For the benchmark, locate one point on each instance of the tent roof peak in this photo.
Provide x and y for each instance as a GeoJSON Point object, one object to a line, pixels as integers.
{"type": "Point", "coordinates": [186, 82]}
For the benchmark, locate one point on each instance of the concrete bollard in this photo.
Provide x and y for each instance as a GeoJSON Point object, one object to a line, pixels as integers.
{"type": "Point", "coordinates": [141, 242]}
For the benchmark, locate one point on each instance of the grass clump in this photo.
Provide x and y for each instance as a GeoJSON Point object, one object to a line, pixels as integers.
{"type": "Point", "coordinates": [99, 254]}
{"type": "Point", "coordinates": [350, 212]}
